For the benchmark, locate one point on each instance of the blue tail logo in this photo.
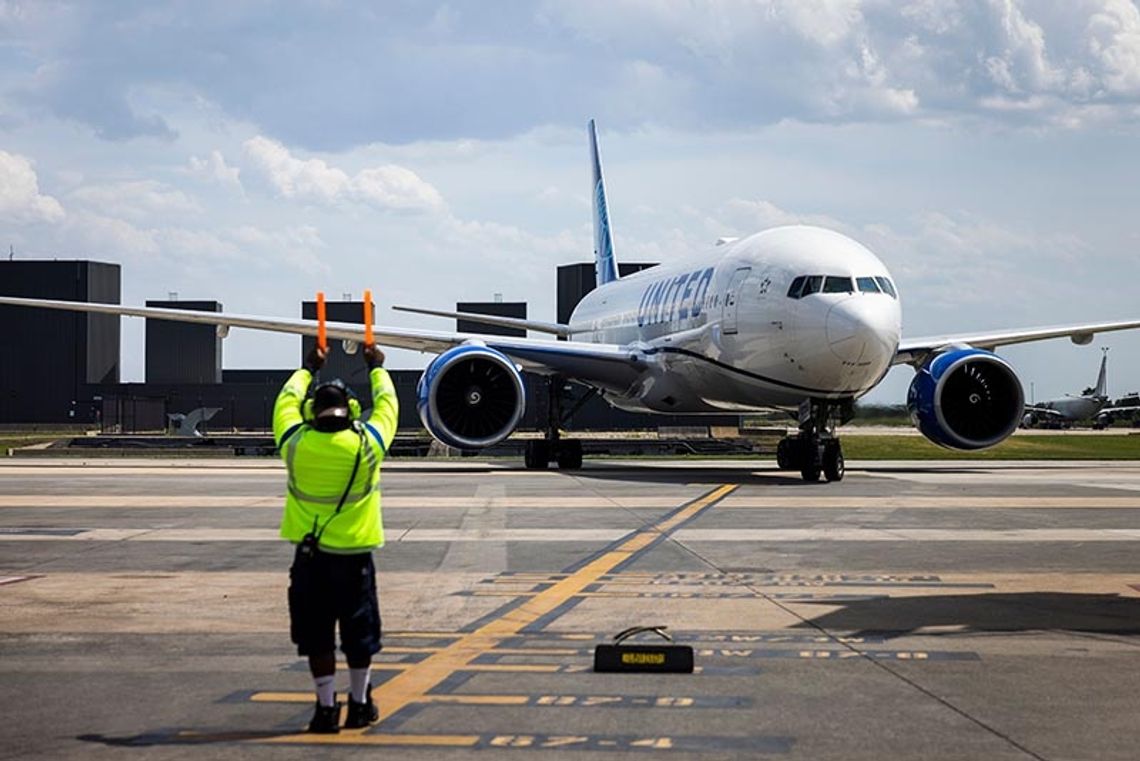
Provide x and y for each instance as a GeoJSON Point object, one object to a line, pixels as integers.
{"type": "Point", "coordinates": [604, 261]}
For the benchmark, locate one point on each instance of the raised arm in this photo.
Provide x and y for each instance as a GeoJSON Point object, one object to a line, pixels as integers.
{"type": "Point", "coordinates": [385, 406]}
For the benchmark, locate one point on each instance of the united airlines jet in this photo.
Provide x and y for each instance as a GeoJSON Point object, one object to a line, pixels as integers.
{"type": "Point", "coordinates": [796, 318]}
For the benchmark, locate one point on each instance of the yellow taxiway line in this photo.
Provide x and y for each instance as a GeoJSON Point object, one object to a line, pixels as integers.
{"type": "Point", "coordinates": [413, 684]}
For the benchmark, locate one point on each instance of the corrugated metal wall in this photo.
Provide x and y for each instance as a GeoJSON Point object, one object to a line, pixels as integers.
{"type": "Point", "coordinates": [180, 352]}
{"type": "Point", "coordinates": [516, 309]}
{"type": "Point", "coordinates": [48, 356]}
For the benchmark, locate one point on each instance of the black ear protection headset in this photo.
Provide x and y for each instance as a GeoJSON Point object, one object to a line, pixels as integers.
{"type": "Point", "coordinates": [307, 412]}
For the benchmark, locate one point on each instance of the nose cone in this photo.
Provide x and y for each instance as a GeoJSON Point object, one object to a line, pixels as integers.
{"type": "Point", "coordinates": [863, 329]}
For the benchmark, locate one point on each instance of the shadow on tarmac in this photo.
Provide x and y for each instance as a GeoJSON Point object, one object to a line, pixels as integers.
{"type": "Point", "coordinates": [996, 612]}
{"type": "Point", "coordinates": [764, 473]}
{"type": "Point", "coordinates": [691, 475]}
{"type": "Point", "coordinates": [180, 737]}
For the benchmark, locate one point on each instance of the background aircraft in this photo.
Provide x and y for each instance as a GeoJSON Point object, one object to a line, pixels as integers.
{"type": "Point", "coordinates": [797, 318]}
{"type": "Point", "coordinates": [1126, 409]}
{"type": "Point", "coordinates": [1068, 409]}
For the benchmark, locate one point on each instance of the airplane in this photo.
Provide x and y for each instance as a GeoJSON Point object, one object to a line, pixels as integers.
{"type": "Point", "coordinates": [1126, 409]}
{"type": "Point", "coordinates": [1063, 412]}
{"type": "Point", "coordinates": [798, 318]}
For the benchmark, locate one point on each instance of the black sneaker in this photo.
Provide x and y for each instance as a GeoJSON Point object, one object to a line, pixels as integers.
{"type": "Point", "coordinates": [361, 714]}
{"type": "Point", "coordinates": [326, 719]}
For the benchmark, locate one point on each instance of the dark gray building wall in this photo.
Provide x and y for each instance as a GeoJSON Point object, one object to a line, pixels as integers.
{"type": "Point", "coordinates": [181, 352]}
{"type": "Point", "coordinates": [349, 368]}
{"type": "Point", "coordinates": [246, 399]}
{"type": "Point", "coordinates": [516, 309]}
{"type": "Point", "coordinates": [48, 358]}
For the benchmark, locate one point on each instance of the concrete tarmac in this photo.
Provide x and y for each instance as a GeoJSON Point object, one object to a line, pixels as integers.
{"type": "Point", "coordinates": [915, 610]}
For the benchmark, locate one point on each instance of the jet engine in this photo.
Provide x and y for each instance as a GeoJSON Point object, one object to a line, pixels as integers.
{"type": "Point", "coordinates": [470, 397]}
{"type": "Point", "coordinates": [966, 399]}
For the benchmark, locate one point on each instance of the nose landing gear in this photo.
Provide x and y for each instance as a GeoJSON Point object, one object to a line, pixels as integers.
{"type": "Point", "coordinates": [816, 450]}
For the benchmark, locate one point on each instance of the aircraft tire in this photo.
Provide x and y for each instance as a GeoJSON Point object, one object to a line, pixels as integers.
{"type": "Point", "coordinates": [570, 455]}
{"type": "Point", "coordinates": [810, 473]}
{"type": "Point", "coordinates": [787, 452]}
{"type": "Point", "coordinates": [536, 456]}
{"type": "Point", "coordinates": [833, 466]}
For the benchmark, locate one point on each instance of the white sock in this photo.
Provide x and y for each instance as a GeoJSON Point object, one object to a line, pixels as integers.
{"type": "Point", "coordinates": [358, 680]}
{"type": "Point", "coordinates": [326, 689]}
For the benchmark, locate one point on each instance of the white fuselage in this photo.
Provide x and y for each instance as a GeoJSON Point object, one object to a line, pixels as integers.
{"type": "Point", "coordinates": [719, 332]}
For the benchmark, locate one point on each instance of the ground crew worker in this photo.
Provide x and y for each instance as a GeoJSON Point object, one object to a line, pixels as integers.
{"type": "Point", "coordinates": [332, 514]}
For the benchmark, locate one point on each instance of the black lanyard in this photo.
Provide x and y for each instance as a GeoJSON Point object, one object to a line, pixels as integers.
{"type": "Point", "coordinates": [347, 488]}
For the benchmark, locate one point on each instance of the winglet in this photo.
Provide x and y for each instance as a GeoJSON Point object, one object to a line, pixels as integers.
{"type": "Point", "coordinates": [605, 264]}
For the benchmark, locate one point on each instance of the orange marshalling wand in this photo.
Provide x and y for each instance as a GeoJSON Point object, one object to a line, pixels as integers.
{"type": "Point", "coordinates": [367, 317]}
{"type": "Point", "coordinates": [322, 333]}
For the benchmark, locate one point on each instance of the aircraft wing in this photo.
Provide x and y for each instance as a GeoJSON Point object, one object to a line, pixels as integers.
{"type": "Point", "coordinates": [912, 350]}
{"type": "Point", "coordinates": [1047, 411]}
{"type": "Point", "coordinates": [1127, 409]}
{"type": "Point", "coordinates": [608, 365]}
{"type": "Point", "coordinates": [554, 328]}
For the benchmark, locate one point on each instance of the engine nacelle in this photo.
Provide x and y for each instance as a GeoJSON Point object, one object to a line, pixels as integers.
{"type": "Point", "coordinates": [470, 397]}
{"type": "Point", "coordinates": [966, 399]}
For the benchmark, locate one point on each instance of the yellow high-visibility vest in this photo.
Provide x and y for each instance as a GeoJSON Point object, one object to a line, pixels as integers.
{"type": "Point", "coordinates": [319, 466]}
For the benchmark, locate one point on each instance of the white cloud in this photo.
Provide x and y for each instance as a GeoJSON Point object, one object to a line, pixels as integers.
{"type": "Point", "coordinates": [20, 198]}
{"type": "Point", "coordinates": [214, 168]}
{"type": "Point", "coordinates": [135, 199]}
{"type": "Point", "coordinates": [402, 73]}
{"type": "Point", "coordinates": [313, 180]}
{"type": "Point", "coordinates": [1113, 43]}
{"type": "Point", "coordinates": [88, 234]}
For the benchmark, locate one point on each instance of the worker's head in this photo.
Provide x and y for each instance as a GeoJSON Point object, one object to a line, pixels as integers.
{"type": "Point", "coordinates": [331, 406]}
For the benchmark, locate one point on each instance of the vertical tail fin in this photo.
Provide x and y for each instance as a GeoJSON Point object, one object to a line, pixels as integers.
{"type": "Point", "coordinates": [1101, 378]}
{"type": "Point", "coordinates": [605, 265]}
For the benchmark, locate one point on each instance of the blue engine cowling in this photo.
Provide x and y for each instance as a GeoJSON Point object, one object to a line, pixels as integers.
{"type": "Point", "coordinates": [966, 399]}
{"type": "Point", "coordinates": [470, 397]}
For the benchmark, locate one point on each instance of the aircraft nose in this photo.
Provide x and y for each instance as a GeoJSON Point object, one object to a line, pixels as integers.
{"type": "Point", "coordinates": [861, 329]}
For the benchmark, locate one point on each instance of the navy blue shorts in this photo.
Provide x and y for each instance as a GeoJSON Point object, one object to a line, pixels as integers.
{"type": "Point", "coordinates": [326, 590]}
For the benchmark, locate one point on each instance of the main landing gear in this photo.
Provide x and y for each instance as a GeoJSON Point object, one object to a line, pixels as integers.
{"type": "Point", "coordinates": [816, 451]}
{"type": "Point", "coordinates": [567, 453]}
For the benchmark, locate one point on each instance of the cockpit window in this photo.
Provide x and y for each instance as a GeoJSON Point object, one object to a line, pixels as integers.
{"type": "Point", "coordinates": [867, 284]}
{"type": "Point", "coordinates": [794, 288]}
{"type": "Point", "coordinates": [833, 284]}
{"type": "Point", "coordinates": [812, 284]}
{"type": "Point", "coordinates": [886, 285]}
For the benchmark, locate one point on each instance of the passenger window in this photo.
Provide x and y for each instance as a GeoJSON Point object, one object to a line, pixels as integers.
{"type": "Point", "coordinates": [887, 287]}
{"type": "Point", "coordinates": [794, 289]}
{"type": "Point", "coordinates": [838, 285]}
{"type": "Point", "coordinates": [867, 285]}
{"type": "Point", "coordinates": [812, 284]}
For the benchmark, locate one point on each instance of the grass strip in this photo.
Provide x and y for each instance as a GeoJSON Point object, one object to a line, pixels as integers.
{"type": "Point", "coordinates": [1044, 447]}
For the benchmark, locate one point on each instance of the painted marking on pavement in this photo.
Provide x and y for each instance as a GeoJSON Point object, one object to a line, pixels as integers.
{"type": "Point", "coordinates": [613, 743]}
{"type": "Point", "coordinates": [413, 684]}
{"type": "Point", "coordinates": [640, 541]}
{"type": "Point", "coordinates": [752, 501]}
{"type": "Point", "coordinates": [15, 579]}
{"type": "Point", "coordinates": [545, 700]}
{"type": "Point", "coordinates": [745, 595]}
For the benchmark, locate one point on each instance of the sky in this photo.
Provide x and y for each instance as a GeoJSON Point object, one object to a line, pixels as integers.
{"type": "Point", "coordinates": [256, 152]}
